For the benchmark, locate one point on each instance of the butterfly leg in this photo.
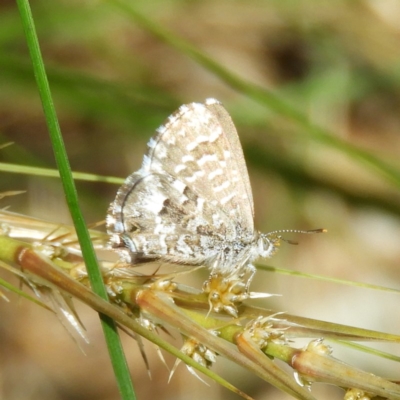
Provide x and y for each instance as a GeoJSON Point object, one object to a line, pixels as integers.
{"type": "Point", "coordinates": [252, 270]}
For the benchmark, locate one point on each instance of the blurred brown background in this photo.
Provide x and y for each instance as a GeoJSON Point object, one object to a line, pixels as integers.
{"type": "Point", "coordinates": [114, 83]}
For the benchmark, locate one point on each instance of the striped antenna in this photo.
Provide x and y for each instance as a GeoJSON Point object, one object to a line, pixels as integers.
{"type": "Point", "coordinates": [277, 234]}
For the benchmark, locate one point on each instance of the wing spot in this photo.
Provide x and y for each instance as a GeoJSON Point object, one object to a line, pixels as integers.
{"type": "Point", "coordinates": [206, 158]}
{"type": "Point", "coordinates": [215, 173]}
{"type": "Point", "coordinates": [221, 187]}
{"type": "Point", "coordinates": [193, 178]}
{"type": "Point", "coordinates": [179, 186]}
{"type": "Point", "coordinates": [187, 158]}
{"type": "Point", "coordinates": [179, 168]}
{"type": "Point", "coordinates": [227, 198]}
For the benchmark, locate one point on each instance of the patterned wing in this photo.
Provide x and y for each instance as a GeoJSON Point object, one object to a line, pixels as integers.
{"type": "Point", "coordinates": [230, 132]}
{"type": "Point", "coordinates": [156, 216]}
{"type": "Point", "coordinates": [191, 201]}
{"type": "Point", "coordinates": [199, 144]}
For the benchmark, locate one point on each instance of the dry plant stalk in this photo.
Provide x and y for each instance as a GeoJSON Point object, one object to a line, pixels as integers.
{"type": "Point", "coordinates": [46, 258]}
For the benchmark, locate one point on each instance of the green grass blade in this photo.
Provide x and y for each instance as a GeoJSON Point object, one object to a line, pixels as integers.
{"type": "Point", "coordinates": [110, 331]}
{"type": "Point", "coordinates": [54, 173]}
{"type": "Point", "coordinates": [368, 350]}
{"type": "Point", "coordinates": [326, 278]}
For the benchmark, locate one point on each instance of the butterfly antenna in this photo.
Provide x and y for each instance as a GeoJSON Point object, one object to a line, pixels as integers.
{"type": "Point", "coordinates": [278, 235]}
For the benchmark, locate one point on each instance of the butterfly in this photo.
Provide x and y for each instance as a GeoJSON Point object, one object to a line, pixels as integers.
{"type": "Point", "coordinates": [191, 204]}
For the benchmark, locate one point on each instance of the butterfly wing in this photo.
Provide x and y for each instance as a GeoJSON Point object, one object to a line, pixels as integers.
{"type": "Point", "coordinates": [244, 188]}
{"type": "Point", "coordinates": [200, 145]}
{"type": "Point", "coordinates": [155, 216]}
{"type": "Point", "coordinates": [192, 195]}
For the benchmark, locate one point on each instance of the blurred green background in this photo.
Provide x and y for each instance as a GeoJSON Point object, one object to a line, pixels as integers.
{"type": "Point", "coordinates": [333, 64]}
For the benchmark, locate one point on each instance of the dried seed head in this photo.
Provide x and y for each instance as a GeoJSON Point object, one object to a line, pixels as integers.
{"type": "Point", "coordinates": [225, 292]}
{"type": "Point", "coordinates": [199, 352]}
{"type": "Point", "coordinates": [261, 331]}
{"type": "Point", "coordinates": [357, 394]}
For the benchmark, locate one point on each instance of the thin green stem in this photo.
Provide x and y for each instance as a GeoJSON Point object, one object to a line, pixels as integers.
{"type": "Point", "coordinates": [109, 328]}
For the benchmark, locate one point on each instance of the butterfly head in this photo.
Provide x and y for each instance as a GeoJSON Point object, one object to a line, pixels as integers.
{"type": "Point", "coordinates": [268, 244]}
